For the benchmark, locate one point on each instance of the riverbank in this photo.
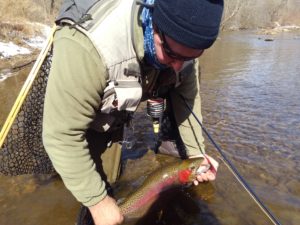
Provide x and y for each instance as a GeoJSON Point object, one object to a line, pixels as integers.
{"type": "Point", "coordinates": [20, 44]}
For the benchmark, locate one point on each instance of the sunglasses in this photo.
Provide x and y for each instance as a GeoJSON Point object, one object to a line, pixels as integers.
{"type": "Point", "coordinates": [169, 51]}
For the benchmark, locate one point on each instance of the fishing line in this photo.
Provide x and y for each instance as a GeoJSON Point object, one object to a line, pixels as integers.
{"type": "Point", "coordinates": [234, 171]}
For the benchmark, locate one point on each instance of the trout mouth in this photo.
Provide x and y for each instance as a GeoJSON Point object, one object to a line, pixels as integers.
{"type": "Point", "coordinates": [197, 170]}
{"type": "Point", "coordinates": [202, 169]}
{"type": "Point", "coordinates": [190, 169]}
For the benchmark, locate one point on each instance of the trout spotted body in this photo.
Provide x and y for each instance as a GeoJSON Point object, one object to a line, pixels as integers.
{"type": "Point", "coordinates": [175, 174]}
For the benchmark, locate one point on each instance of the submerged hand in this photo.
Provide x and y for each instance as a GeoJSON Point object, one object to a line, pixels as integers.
{"type": "Point", "coordinates": [211, 173]}
{"type": "Point", "coordinates": [106, 212]}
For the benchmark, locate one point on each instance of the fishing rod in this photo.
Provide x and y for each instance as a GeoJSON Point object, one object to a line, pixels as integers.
{"type": "Point", "coordinates": [234, 171]}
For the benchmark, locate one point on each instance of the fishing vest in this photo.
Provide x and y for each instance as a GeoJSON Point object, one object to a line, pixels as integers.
{"type": "Point", "coordinates": [123, 91]}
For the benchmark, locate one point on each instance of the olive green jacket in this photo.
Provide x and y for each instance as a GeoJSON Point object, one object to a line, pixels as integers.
{"type": "Point", "coordinates": [75, 86]}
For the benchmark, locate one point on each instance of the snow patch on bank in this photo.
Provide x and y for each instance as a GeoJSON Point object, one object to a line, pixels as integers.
{"type": "Point", "coordinates": [36, 42]}
{"type": "Point", "coordinates": [4, 76]}
{"type": "Point", "coordinates": [10, 49]}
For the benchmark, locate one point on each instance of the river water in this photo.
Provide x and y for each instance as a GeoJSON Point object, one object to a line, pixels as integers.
{"type": "Point", "coordinates": [250, 91]}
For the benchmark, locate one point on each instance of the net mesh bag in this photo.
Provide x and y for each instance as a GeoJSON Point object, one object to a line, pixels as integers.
{"type": "Point", "coordinates": [22, 151]}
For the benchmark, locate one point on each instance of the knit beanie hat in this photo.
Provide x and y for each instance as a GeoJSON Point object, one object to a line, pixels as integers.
{"type": "Point", "coordinates": [193, 23]}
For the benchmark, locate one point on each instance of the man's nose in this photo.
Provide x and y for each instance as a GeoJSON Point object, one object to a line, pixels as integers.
{"type": "Point", "coordinates": [177, 65]}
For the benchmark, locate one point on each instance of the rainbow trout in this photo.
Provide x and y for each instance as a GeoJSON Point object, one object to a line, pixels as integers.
{"type": "Point", "coordinates": [174, 174]}
{"type": "Point", "coordinates": [139, 202]}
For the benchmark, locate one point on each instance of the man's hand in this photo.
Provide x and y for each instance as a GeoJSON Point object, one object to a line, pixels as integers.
{"type": "Point", "coordinates": [211, 173]}
{"type": "Point", "coordinates": [106, 212]}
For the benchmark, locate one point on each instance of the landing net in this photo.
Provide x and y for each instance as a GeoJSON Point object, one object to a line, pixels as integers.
{"type": "Point", "coordinates": [21, 147]}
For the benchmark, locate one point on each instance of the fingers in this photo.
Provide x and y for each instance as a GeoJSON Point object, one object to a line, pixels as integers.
{"type": "Point", "coordinates": [208, 175]}
{"type": "Point", "coordinates": [204, 177]}
{"type": "Point", "coordinates": [196, 182]}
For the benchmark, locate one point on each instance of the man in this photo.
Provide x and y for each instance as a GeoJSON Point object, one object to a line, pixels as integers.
{"type": "Point", "coordinates": [107, 57]}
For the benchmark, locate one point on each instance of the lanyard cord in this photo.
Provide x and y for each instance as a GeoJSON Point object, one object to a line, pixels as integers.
{"type": "Point", "coordinates": [233, 170]}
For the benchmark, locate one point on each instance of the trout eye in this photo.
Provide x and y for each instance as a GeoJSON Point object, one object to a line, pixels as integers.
{"type": "Point", "coordinates": [192, 167]}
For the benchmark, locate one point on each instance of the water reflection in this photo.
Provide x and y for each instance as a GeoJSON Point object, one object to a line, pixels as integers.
{"type": "Point", "coordinates": [32, 200]}
{"type": "Point", "coordinates": [9, 90]}
{"type": "Point", "coordinates": [251, 106]}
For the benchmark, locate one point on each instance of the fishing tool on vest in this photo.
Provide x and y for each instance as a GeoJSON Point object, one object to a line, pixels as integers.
{"type": "Point", "coordinates": [155, 109]}
{"type": "Point", "coordinates": [233, 169]}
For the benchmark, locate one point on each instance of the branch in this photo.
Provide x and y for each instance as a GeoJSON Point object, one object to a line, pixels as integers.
{"type": "Point", "coordinates": [234, 12]}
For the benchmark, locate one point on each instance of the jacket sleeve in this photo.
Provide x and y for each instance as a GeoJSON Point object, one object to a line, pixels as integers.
{"type": "Point", "coordinates": [190, 131]}
{"type": "Point", "coordinates": [76, 81]}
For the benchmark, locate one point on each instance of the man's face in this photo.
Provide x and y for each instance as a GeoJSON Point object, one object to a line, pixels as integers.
{"type": "Point", "coordinates": [172, 53]}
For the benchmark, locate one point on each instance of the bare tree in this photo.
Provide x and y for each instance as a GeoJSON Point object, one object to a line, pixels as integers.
{"type": "Point", "coordinates": [230, 11]}
{"type": "Point", "coordinates": [278, 10]}
{"type": "Point", "coordinates": [52, 6]}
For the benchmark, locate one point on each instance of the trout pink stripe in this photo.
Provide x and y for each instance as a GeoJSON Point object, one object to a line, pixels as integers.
{"type": "Point", "coordinates": [153, 192]}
